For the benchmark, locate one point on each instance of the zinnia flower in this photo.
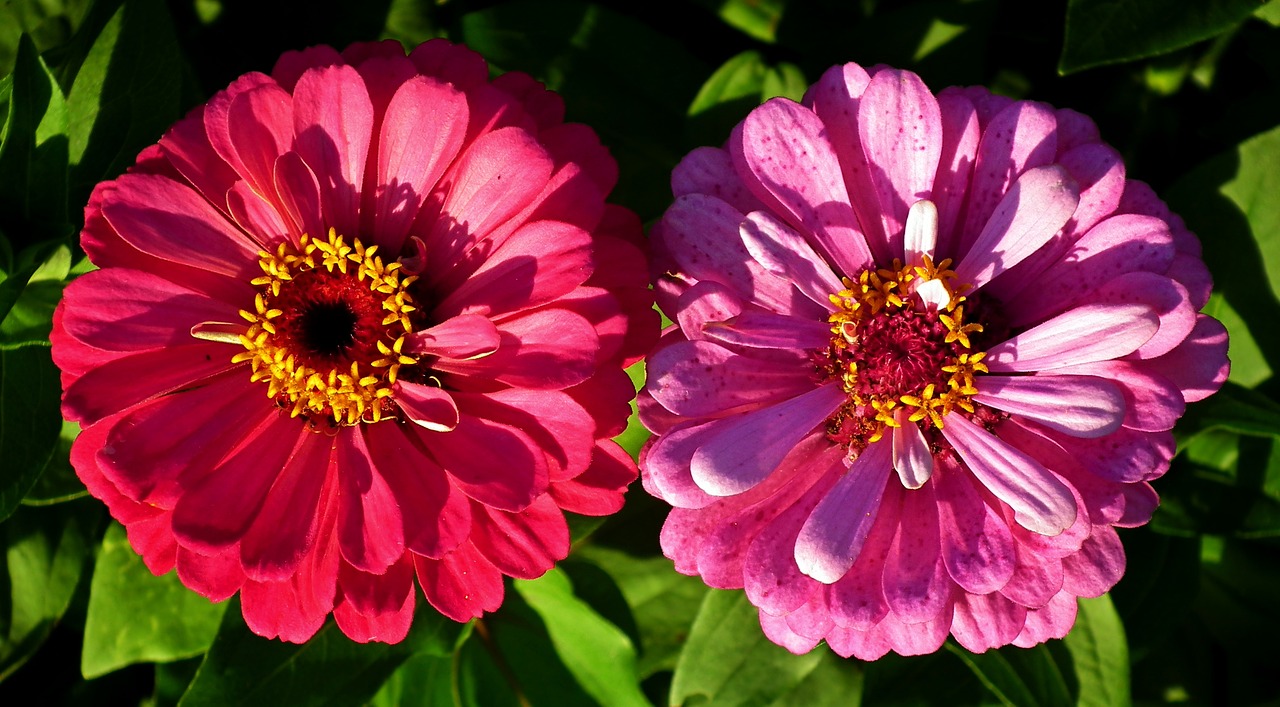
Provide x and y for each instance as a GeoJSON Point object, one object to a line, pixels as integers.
{"type": "Point", "coordinates": [356, 321]}
{"type": "Point", "coordinates": [927, 355]}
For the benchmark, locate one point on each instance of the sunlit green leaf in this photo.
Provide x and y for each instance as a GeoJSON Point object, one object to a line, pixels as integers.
{"type": "Point", "coordinates": [598, 654]}
{"type": "Point", "coordinates": [29, 420]}
{"type": "Point", "coordinates": [424, 680]}
{"type": "Point", "coordinates": [757, 18]}
{"type": "Point", "coordinates": [1100, 654]}
{"type": "Point", "coordinates": [1110, 31]}
{"type": "Point", "coordinates": [45, 552]}
{"type": "Point", "coordinates": [135, 616]}
{"type": "Point", "coordinates": [728, 661]}
{"type": "Point", "coordinates": [740, 84]}
{"type": "Point", "coordinates": [48, 22]}
{"type": "Point", "coordinates": [30, 319]}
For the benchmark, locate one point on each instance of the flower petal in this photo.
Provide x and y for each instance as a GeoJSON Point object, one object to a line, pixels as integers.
{"type": "Point", "coordinates": [787, 254]}
{"type": "Point", "coordinates": [1081, 406]}
{"type": "Point", "coordinates": [911, 457]}
{"type": "Point", "coordinates": [426, 405]}
{"type": "Point", "coordinates": [833, 535]}
{"type": "Point", "coordinates": [1094, 332]}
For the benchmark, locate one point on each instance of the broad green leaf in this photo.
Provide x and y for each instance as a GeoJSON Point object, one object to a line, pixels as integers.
{"type": "Point", "coordinates": [424, 680]}
{"type": "Point", "coordinates": [634, 437]}
{"type": "Point", "coordinates": [58, 482]}
{"type": "Point", "coordinates": [740, 84]}
{"type": "Point", "coordinates": [30, 319]}
{"type": "Point", "coordinates": [126, 92]}
{"type": "Point", "coordinates": [135, 616]}
{"type": "Point", "coordinates": [1110, 31]}
{"type": "Point", "coordinates": [48, 22]}
{"type": "Point", "coordinates": [1248, 365]}
{"type": "Point", "coordinates": [757, 18]}
{"type": "Point", "coordinates": [598, 654]}
{"type": "Point", "coordinates": [1012, 675]}
{"type": "Point", "coordinates": [1160, 581]}
{"type": "Point", "coordinates": [329, 669]}
{"type": "Point", "coordinates": [1100, 654]}
{"type": "Point", "coordinates": [728, 661]}
{"type": "Point", "coordinates": [29, 420]}
{"type": "Point", "coordinates": [33, 155]}
{"type": "Point", "coordinates": [663, 602]}
{"type": "Point", "coordinates": [45, 552]}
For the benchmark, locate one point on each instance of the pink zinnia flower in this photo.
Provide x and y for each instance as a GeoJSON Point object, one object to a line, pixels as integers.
{"type": "Point", "coordinates": [359, 320]}
{"type": "Point", "coordinates": [928, 353]}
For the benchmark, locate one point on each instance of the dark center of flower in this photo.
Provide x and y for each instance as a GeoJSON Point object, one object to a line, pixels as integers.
{"type": "Point", "coordinates": [328, 330]}
{"type": "Point", "coordinates": [901, 349]}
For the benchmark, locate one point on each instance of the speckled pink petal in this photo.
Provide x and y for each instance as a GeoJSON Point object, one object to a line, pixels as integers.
{"type": "Point", "coordinates": [709, 170]}
{"type": "Point", "coordinates": [743, 450]}
{"type": "Point", "coordinates": [977, 547]}
{"type": "Point", "coordinates": [985, 621]}
{"type": "Point", "coordinates": [1093, 332]}
{"type": "Point", "coordinates": [778, 631]}
{"type": "Point", "coordinates": [833, 535]}
{"type": "Point", "coordinates": [701, 378]}
{"type": "Point", "coordinates": [1053, 620]}
{"type": "Point", "coordinates": [1035, 580]}
{"type": "Point", "coordinates": [1097, 567]}
{"type": "Point", "coordinates": [1199, 366]}
{"type": "Point", "coordinates": [525, 544]}
{"type": "Point", "coordinates": [1151, 402]}
{"type": "Point", "coordinates": [770, 576]}
{"type": "Point", "coordinates": [765, 330]}
{"type": "Point", "coordinates": [704, 303]}
{"type": "Point", "coordinates": [776, 136]}
{"type": "Point", "coordinates": [916, 584]}
{"type": "Point", "coordinates": [1030, 213]}
{"type": "Point", "coordinates": [960, 137]}
{"type": "Point", "coordinates": [1078, 405]}
{"type": "Point", "coordinates": [1040, 501]}
{"type": "Point", "coordinates": [787, 254]}
{"type": "Point", "coordinates": [900, 129]}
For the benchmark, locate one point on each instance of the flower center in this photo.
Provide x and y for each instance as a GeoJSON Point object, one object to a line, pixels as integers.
{"type": "Point", "coordinates": [327, 329]}
{"type": "Point", "coordinates": [900, 347]}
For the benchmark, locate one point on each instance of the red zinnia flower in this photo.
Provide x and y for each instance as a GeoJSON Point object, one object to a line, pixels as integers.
{"type": "Point", "coordinates": [360, 319]}
{"type": "Point", "coordinates": [928, 353]}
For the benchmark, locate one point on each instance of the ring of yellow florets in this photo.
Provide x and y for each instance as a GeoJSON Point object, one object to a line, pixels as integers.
{"type": "Point", "coordinates": [892, 353]}
{"type": "Point", "coordinates": [347, 386]}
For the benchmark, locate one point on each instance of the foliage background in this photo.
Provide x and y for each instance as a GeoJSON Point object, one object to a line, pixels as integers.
{"type": "Point", "coordinates": [1188, 91]}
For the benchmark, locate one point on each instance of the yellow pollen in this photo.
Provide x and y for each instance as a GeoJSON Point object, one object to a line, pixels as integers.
{"type": "Point", "coordinates": [346, 393]}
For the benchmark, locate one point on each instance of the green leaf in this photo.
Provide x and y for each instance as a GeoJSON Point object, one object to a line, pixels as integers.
{"type": "Point", "coordinates": [757, 18]}
{"type": "Point", "coordinates": [1018, 677]}
{"type": "Point", "coordinates": [58, 482]}
{"type": "Point", "coordinates": [135, 616]}
{"type": "Point", "coordinates": [45, 553]}
{"type": "Point", "coordinates": [30, 319]}
{"type": "Point", "coordinates": [728, 661]}
{"type": "Point", "coordinates": [740, 84]}
{"type": "Point", "coordinates": [1235, 409]}
{"type": "Point", "coordinates": [29, 420]}
{"type": "Point", "coordinates": [634, 437]}
{"type": "Point", "coordinates": [127, 91]}
{"type": "Point", "coordinates": [33, 156]}
{"type": "Point", "coordinates": [48, 22]}
{"type": "Point", "coordinates": [424, 680]}
{"type": "Point", "coordinates": [664, 603]}
{"type": "Point", "coordinates": [1248, 364]}
{"type": "Point", "coordinates": [1110, 31]}
{"type": "Point", "coordinates": [329, 669]}
{"type": "Point", "coordinates": [598, 654]}
{"type": "Point", "coordinates": [1100, 654]}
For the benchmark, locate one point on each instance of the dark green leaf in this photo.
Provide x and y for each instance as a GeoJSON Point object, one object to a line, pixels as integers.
{"type": "Point", "coordinates": [30, 319]}
{"type": "Point", "coordinates": [598, 654]}
{"type": "Point", "coordinates": [757, 18]}
{"type": "Point", "coordinates": [48, 22]}
{"type": "Point", "coordinates": [663, 602]}
{"type": "Point", "coordinates": [58, 482]}
{"type": "Point", "coordinates": [1012, 675]}
{"type": "Point", "coordinates": [29, 420]}
{"type": "Point", "coordinates": [740, 84]}
{"type": "Point", "coordinates": [423, 681]}
{"type": "Point", "coordinates": [135, 616]}
{"type": "Point", "coordinates": [1236, 409]}
{"type": "Point", "coordinates": [45, 553]}
{"type": "Point", "coordinates": [33, 156]}
{"type": "Point", "coordinates": [1100, 654]}
{"type": "Point", "coordinates": [728, 660]}
{"type": "Point", "coordinates": [1111, 31]}
{"type": "Point", "coordinates": [412, 21]}
{"type": "Point", "coordinates": [329, 669]}
{"type": "Point", "coordinates": [127, 90]}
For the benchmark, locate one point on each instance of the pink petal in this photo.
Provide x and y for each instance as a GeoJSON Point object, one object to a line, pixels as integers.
{"type": "Point", "coordinates": [833, 535]}
{"type": "Point", "coordinates": [1118, 245]}
{"type": "Point", "coordinates": [985, 621]}
{"type": "Point", "coordinates": [462, 585]}
{"type": "Point", "coordinates": [770, 576]}
{"type": "Point", "coordinates": [1081, 406]}
{"type": "Point", "coordinates": [857, 600]}
{"type": "Point", "coordinates": [1020, 137]}
{"type": "Point", "coordinates": [1053, 620]}
{"type": "Point", "coordinates": [560, 427]}
{"type": "Point", "coordinates": [441, 515]}
{"type": "Point", "coordinates": [703, 304]}
{"type": "Point", "coordinates": [709, 171]}
{"type": "Point", "coordinates": [1097, 567]}
{"type": "Point", "coordinates": [426, 405]}
{"type": "Point", "coordinates": [1036, 579]}
{"type": "Point", "coordinates": [900, 129]}
{"type": "Point", "coordinates": [421, 134]}
{"type": "Point", "coordinates": [463, 337]}
{"type": "Point", "coordinates": [299, 195]}
{"type": "Point", "coordinates": [916, 584]}
{"type": "Point", "coordinates": [259, 129]}
{"type": "Point", "coordinates": [215, 577]}
{"type": "Point", "coordinates": [376, 607]}
{"type": "Point", "coordinates": [776, 629]}
{"type": "Point", "coordinates": [170, 221]}
{"type": "Point", "coordinates": [765, 330]}
{"type": "Point", "coordinates": [292, 64]}
{"type": "Point", "coordinates": [285, 526]}
{"type": "Point", "coordinates": [187, 148]}
{"type": "Point", "coordinates": [495, 464]}
{"type": "Point", "coordinates": [333, 122]}
{"type": "Point", "coordinates": [774, 138]}
{"type": "Point", "coordinates": [1166, 297]}
{"type": "Point", "coordinates": [258, 218]}
{"type": "Point", "coordinates": [126, 381]}
{"type": "Point", "coordinates": [599, 490]}
{"type": "Point", "coordinates": [1040, 501]}
{"type": "Point", "coordinates": [523, 545]}
{"type": "Point", "coordinates": [745, 449]}
{"type": "Point", "coordinates": [977, 547]}
{"type": "Point", "coordinates": [787, 254]}
{"type": "Point", "coordinates": [1034, 209]}
{"type": "Point", "coordinates": [218, 509]}
{"type": "Point", "coordinates": [666, 467]}
{"type": "Point", "coordinates": [1093, 332]}
{"type": "Point", "coordinates": [1199, 365]}
{"type": "Point", "coordinates": [960, 136]}
{"type": "Point", "coordinates": [547, 349]}
{"type": "Point", "coordinates": [697, 378]}
{"type": "Point", "coordinates": [1152, 403]}
{"type": "Point", "coordinates": [370, 520]}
